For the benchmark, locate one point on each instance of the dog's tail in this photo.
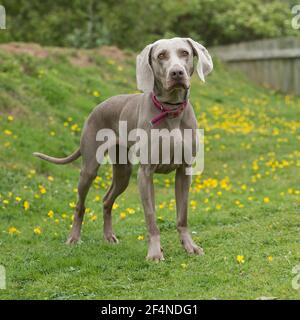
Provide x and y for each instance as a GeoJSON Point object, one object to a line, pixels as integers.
{"type": "Point", "coordinates": [75, 155]}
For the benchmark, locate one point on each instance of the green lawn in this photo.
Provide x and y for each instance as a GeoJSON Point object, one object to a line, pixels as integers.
{"type": "Point", "coordinates": [246, 203]}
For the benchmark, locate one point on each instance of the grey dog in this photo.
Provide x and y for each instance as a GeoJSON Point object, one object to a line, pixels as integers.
{"type": "Point", "coordinates": [164, 69]}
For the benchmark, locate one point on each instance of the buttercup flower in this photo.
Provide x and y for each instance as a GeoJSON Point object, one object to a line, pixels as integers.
{"type": "Point", "coordinates": [240, 259]}
{"type": "Point", "coordinates": [13, 230]}
{"type": "Point", "coordinates": [50, 214]}
{"type": "Point", "coordinates": [26, 205]}
{"type": "Point", "coordinates": [266, 200]}
{"type": "Point", "coordinates": [72, 205]}
{"type": "Point", "coordinates": [122, 215]}
{"type": "Point", "coordinates": [37, 230]}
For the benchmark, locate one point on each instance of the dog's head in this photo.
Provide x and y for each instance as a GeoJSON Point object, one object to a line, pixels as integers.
{"type": "Point", "coordinates": [170, 63]}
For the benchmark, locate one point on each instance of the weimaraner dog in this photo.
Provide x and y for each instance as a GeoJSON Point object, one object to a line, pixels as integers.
{"type": "Point", "coordinates": [164, 69]}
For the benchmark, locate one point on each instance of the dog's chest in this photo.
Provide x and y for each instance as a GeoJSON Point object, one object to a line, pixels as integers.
{"type": "Point", "coordinates": [171, 146]}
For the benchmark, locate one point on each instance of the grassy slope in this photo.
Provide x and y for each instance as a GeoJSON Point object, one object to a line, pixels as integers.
{"type": "Point", "coordinates": [252, 152]}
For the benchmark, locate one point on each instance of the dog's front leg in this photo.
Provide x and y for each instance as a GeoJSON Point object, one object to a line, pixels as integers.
{"type": "Point", "coordinates": [182, 186]}
{"type": "Point", "coordinates": [146, 188]}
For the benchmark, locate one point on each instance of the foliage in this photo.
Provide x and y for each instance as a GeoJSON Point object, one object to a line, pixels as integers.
{"type": "Point", "coordinates": [132, 24]}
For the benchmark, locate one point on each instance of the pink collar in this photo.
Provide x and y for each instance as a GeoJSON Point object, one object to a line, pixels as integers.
{"type": "Point", "coordinates": [165, 112]}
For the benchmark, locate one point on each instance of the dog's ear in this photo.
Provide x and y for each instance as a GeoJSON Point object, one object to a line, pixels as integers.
{"type": "Point", "coordinates": [204, 64]}
{"type": "Point", "coordinates": [144, 72]}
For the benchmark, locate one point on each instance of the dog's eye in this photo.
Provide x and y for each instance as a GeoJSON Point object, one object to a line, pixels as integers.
{"type": "Point", "coordinates": [185, 53]}
{"type": "Point", "coordinates": [161, 56]}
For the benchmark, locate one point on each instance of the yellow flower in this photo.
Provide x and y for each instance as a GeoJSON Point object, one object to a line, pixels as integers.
{"type": "Point", "coordinates": [5, 201]}
{"type": "Point", "coordinates": [193, 203]}
{"type": "Point", "coordinates": [50, 178]}
{"type": "Point", "coordinates": [218, 206]}
{"type": "Point", "coordinates": [13, 230]}
{"type": "Point", "coordinates": [130, 210]}
{"type": "Point", "coordinates": [72, 205]}
{"type": "Point", "coordinates": [37, 230]}
{"type": "Point", "coordinates": [75, 127]}
{"type": "Point", "coordinates": [42, 189]}
{"type": "Point", "coordinates": [115, 206]}
{"type": "Point", "coordinates": [141, 237]}
{"type": "Point", "coordinates": [96, 93]}
{"type": "Point", "coordinates": [122, 215]}
{"type": "Point", "coordinates": [93, 217]}
{"type": "Point", "coordinates": [10, 118]}
{"type": "Point", "coordinates": [97, 198]}
{"type": "Point", "coordinates": [8, 132]}
{"type": "Point", "coordinates": [18, 199]}
{"type": "Point", "coordinates": [266, 200]}
{"type": "Point", "coordinates": [52, 133]}
{"type": "Point", "coordinates": [270, 258]}
{"type": "Point", "coordinates": [26, 205]}
{"type": "Point", "coordinates": [162, 205]}
{"type": "Point", "coordinates": [50, 214]}
{"type": "Point", "coordinates": [240, 259]}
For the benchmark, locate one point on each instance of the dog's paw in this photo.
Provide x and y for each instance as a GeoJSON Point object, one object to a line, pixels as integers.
{"type": "Point", "coordinates": [155, 252]}
{"type": "Point", "coordinates": [72, 240]}
{"type": "Point", "coordinates": [191, 248]}
{"type": "Point", "coordinates": [111, 238]}
{"type": "Point", "coordinates": [156, 257]}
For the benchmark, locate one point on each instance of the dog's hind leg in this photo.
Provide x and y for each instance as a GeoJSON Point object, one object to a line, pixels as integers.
{"type": "Point", "coordinates": [87, 175]}
{"type": "Point", "coordinates": [121, 177]}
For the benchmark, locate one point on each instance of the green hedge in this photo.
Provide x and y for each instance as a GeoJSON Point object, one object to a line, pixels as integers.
{"type": "Point", "coordinates": [133, 23]}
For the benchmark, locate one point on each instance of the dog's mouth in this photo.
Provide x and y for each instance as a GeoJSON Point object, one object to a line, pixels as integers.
{"type": "Point", "coordinates": [181, 84]}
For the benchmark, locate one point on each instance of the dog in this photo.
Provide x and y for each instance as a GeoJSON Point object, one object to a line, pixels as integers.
{"type": "Point", "coordinates": [163, 70]}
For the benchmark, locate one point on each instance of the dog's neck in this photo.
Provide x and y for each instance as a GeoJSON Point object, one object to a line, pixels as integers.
{"type": "Point", "coordinates": [174, 97]}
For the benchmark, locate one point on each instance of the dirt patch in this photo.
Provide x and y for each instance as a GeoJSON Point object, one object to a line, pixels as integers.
{"type": "Point", "coordinates": [83, 57]}
{"type": "Point", "coordinates": [113, 53]}
{"type": "Point", "coordinates": [77, 57]}
{"type": "Point", "coordinates": [32, 49]}
{"type": "Point", "coordinates": [80, 59]}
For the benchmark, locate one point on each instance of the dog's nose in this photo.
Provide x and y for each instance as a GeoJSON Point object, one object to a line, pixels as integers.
{"type": "Point", "coordinates": [176, 74]}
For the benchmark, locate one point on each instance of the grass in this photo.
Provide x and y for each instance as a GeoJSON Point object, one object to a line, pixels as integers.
{"type": "Point", "coordinates": [246, 203]}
